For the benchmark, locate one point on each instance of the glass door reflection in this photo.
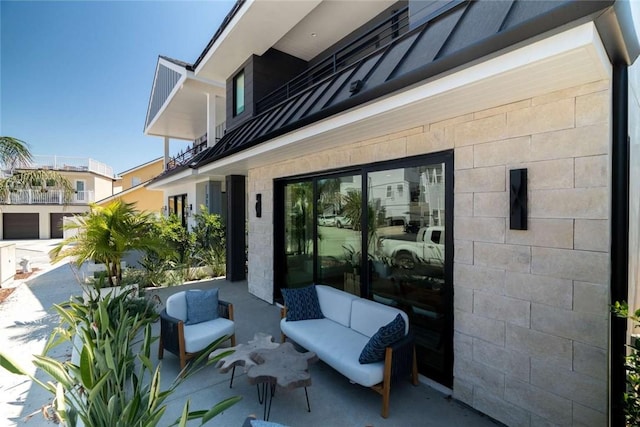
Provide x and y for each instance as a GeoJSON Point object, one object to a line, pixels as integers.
{"type": "Point", "coordinates": [339, 241]}
{"type": "Point", "coordinates": [298, 235]}
{"type": "Point", "coordinates": [406, 251]}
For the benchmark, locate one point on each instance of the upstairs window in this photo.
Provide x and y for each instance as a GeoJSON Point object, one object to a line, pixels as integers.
{"type": "Point", "coordinates": [238, 93]}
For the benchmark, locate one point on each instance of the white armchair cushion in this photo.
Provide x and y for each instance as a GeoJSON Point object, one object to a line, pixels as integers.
{"type": "Point", "coordinates": [176, 306]}
{"type": "Point", "coordinates": [197, 337]}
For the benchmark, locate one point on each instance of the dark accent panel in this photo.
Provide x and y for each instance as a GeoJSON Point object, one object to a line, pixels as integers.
{"type": "Point", "coordinates": [620, 155]}
{"type": "Point", "coordinates": [262, 74]}
{"type": "Point", "coordinates": [214, 189]}
{"type": "Point", "coordinates": [524, 10]}
{"type": "Point", "coordinates": [233, 120]}
{"type": "Point", "coordinates": [236, 218]}
{"type": "Point", "coordinates": [55, 224]}
{"type": "Point", "coordinates": [518, 199]}
{"type": "Point", "coordinates": [20, 226]}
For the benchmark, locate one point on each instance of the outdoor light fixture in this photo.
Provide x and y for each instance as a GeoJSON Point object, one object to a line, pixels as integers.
{"type": "Point", "coordinates": [355, 86]}
{"type": "Point", "coordinates": [258, 205]}
{"type": "Point", "coordinates": [518, 199]}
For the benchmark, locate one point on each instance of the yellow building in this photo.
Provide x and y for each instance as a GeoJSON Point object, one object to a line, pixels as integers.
{"type": "Point", "coordinates": [131, 187]}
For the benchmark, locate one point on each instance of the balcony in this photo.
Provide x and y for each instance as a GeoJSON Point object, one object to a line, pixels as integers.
{"type": "Point", "coordinates": [380, 35]}
{"type": "Point", "coordinates": [185, 157]}
{"type": "Point", "coordinates": [46, 197]}
{"type": "Point", "coordinates": [72, 164]}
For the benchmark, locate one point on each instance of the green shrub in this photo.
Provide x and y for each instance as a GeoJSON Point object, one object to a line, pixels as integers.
{"type": "Point", "coordinates": [632, 363]}
{"type": "Point", "coordinates": [112, 382]}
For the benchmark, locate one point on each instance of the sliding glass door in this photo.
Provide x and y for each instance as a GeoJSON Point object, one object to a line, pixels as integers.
{"type": "Point", "coordinates": [406, 250]}
{"type": "Point", "coordinates": [380, 232]}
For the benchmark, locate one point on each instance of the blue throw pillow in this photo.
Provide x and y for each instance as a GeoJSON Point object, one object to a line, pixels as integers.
{"type": "Point", "coordinates": [386, 335]}
{"type": "Point", "coordinates": [302, 303]}
{"type": "Point", "coordinates": [201, 306]}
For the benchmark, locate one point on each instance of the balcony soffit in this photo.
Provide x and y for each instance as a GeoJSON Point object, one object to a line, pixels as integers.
{"type": "Point", "coordinates": [184, 113]}
{"type": "Point", "coordinates": [286, 26]}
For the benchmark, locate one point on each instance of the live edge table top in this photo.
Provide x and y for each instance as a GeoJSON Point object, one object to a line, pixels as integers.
{"type": "Point", "coordinates": [283, 365]}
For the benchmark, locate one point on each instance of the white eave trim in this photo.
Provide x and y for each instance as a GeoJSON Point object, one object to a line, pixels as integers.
{"type": "Point", "coordinates": [161, 183]}
{"type": "Point", "coordinates": [584, 36]}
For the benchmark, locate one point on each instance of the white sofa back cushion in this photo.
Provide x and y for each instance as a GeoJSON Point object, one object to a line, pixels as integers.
{"type": "Point", "coordinates": [177, 306]}
{"type": "Point", "coordinates": [335, 304]}
{"type": "Point", "coordinates": [369, 316]}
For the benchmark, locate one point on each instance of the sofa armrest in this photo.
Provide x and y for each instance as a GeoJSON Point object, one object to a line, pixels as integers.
{"type": "Point", "coordinates": [170, 331]}
{"type": "Point", "coordinates": [225, 309]}
{"type": "Point", "coordinates": [403, 357]}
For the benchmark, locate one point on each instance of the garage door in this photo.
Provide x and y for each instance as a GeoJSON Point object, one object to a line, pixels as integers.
{"type": "Point", "coordinates": [20, 226]}
{"type": "Point", "coordinates": [56, 224]}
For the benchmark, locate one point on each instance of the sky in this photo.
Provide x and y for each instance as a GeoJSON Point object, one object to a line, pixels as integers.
{"type": "Point", "coordinates": [76, 76]}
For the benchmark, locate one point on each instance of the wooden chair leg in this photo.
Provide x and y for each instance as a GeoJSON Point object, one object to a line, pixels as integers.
{"type": "Point", "coordinates": [386, 383]}
{"type": "Point", "coordinates": [233, 340]}
{"type": "Point", "coordinates": [414, 369]}
{"type": "Point", "coordinates": [160, 349]}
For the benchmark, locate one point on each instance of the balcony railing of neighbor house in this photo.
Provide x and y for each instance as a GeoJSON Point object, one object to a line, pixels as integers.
{"type": "Point", "coordinates": [199, 145]}
{"type": "Point", "coordinates": [378, 36]}
{"type": "Point", "coordinates": [46, 197]}
{"type": "Point", "coordinates": [64, 163]}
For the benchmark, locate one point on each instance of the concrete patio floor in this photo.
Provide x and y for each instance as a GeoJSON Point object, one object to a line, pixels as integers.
{"type": "Point", "coordinates": [26, 319]}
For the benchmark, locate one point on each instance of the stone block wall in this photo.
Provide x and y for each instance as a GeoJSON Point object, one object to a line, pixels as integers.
{"type": "Point", "coordinates": [530, 306]}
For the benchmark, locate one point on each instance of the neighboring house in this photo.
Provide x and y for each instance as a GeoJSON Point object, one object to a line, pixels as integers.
{"type": "Point", "coordinates": [131, 187]}
{"type": "Point", "coordinates": [510, 123]}
{"type": "Point", "coordinates": [38, 213]}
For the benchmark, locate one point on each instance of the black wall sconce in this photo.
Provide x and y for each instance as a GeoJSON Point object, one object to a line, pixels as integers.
{"type": "Point", "coordinates": [518, 199]}
{"type": "Point", "coordinates": [258, 205]}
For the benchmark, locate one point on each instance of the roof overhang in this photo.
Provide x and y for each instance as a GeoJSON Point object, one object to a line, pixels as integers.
{"type": "Point", "coordinates": [287, 26]}
{"type": "Point", "coordinates": [183, 114]}
{"type": "Point", "coordinates": [567, 59]}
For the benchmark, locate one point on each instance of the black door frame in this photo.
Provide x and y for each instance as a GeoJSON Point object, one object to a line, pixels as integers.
{"type": "Point", "coordinates": [445, 377]}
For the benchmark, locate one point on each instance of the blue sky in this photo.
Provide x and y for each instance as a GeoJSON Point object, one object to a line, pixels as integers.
{"type": "Point", "coordinates": [75, 76]}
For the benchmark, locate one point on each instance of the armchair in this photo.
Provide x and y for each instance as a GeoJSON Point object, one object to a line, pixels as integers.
{"type": "Point", "coordinates": [186, 339]}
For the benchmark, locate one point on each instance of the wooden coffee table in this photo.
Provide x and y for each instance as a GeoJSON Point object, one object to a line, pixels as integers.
{"type": "Point", "coordinates": [241, 355]}
{"type": "Point", "coordinates": [283, 367]}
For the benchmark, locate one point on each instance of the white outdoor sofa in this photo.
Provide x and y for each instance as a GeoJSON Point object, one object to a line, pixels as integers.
{"type": "Point", "coordinates": [339, 338]}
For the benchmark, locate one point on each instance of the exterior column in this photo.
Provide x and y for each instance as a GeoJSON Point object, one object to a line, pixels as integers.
{"type": "Point", "coordinates": [236, 218]}
{"type": "Point", "coordinates": [211, 119]}
{"type": "Point", "coordinates": [166, 153]}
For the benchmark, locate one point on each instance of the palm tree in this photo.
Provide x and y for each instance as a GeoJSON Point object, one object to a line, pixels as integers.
{"type": "Point", "coordinates": [105, 234]}
{"type": "Point", "coordinates": [17, 173]}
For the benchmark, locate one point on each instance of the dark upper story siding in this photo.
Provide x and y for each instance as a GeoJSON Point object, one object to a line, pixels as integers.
{"type": "Point", "coordinates": [262, 75]}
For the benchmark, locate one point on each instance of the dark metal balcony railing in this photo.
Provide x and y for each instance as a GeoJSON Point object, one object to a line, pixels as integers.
{"type": "Point", "coordinates": [199, 145]}
{"type": "Point", "coordinates": [378, 36]}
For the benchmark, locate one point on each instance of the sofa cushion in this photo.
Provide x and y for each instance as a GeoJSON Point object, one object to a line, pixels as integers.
{"type": "Point", "coordinates": [197, 337]}
{"type": "Point", "coordinates": [374, 350]}
{"type": "Point", "coordinates": [335, 304]}
{"type": "Point", "coordinates": [337, 346]}
{"type": "Point", "coordinates": [201, 305]}
{"type": "Point", "coordinates": [302, 303]}
{"type": "Point", "coordinates": [369, 316]}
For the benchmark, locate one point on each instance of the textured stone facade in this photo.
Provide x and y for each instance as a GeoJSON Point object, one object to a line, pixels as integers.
{"type": "Point", "coordinates": [530, 306]}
